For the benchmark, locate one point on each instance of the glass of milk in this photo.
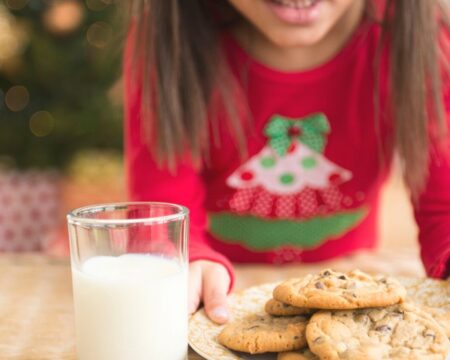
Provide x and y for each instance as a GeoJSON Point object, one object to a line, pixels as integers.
{"type": "Point", "coordinates": [129, 273]}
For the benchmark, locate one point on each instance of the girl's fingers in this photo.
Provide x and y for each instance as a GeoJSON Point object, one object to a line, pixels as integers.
{"type": "Point", "coordinates": [216, 282]}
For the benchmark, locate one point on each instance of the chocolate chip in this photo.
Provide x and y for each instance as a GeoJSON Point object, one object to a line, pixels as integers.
{"type": "Point", "coordinates": [326, 273]}
{"type": "Point", "coordinates": [383, 280]}
{"type": "Point", "coordinates": [397, 314]}
{"type": "Point", "coordinates": [285, 306]}
{"type": "Point", "coordinates": [319, 340]}
{"type": "Point", "coordinates": [383, 328]}
{"type": "Point", "coordinates": [296, 337]}
{"type": "Point", "coordinates": [342, 277]}
{"type": "Point", "coordinates": [319, 285]}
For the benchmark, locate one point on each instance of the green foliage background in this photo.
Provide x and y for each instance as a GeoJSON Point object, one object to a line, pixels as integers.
{"type": "Point", "coordinates": [67, 76]}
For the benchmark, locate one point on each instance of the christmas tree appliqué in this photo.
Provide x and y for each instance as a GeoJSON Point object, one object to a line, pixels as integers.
{"type": "Point", "coordinates": [289, 185]}
{"type": "Point", "coordinates": [289, 177]}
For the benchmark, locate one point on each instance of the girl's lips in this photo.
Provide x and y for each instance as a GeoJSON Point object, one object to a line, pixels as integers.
{"type": "Point", "coordinates": [296, 12]}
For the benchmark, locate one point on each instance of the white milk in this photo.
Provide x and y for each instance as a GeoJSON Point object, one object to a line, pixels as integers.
{"type": "Point", "coordinates": [131, 307]}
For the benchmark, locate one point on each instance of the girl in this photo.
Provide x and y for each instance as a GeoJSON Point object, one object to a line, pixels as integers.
{"type": "Point", "coordinates": [275, 122]}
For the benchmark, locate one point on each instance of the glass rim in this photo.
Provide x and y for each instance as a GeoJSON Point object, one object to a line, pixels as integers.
{"type": "Point", "coordinates": [75, 217]}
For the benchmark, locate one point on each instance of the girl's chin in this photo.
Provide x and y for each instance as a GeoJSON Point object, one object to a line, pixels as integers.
{"type": "Point", "coordinates": [291, 38]}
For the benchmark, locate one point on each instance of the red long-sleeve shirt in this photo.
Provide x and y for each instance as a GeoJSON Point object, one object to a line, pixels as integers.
{"type": "Point", "coordinates": [310, 188]}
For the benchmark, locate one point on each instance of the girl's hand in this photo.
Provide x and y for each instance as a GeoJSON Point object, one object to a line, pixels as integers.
{"type": "Point", "coordinates": [209, 282]}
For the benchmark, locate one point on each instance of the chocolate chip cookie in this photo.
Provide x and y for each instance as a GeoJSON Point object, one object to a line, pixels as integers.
{"type": "Point", "coordinates": [441, 317]}
{"type": "Point", "coordinates": [335, 290]}
{"type": "Point", "coordinates": [398, 332]}
{"type": "Point", "coordinates": [263, 333]}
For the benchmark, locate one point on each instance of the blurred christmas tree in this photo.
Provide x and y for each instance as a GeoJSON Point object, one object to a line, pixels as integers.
{"type": "Point", "coordinates": [59, 60]}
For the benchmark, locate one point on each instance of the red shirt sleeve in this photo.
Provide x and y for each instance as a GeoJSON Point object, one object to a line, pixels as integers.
{"type": "Point", "coordinates": [147, 181]}
{"type": "Point", "coordinates": [433, 209]}
{"type": "Point", "coordinates": [433, 217]}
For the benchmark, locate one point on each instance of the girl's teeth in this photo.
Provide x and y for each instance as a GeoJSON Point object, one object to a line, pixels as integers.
{"type": "Point", "coordinates": [298, 4]}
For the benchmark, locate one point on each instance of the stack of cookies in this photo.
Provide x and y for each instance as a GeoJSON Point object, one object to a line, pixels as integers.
{"type": "Point", "coordinates": [335, 315]}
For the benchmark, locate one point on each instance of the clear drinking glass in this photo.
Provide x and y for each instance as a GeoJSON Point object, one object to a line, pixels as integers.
{"type": "Point", "coordinates": [129, 273]}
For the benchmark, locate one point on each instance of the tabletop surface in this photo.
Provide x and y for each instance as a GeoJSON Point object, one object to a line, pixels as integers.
{"type": "Point", "coordinates": [36, 297]}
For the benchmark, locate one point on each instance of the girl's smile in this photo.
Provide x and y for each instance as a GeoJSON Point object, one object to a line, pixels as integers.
{"type": "Point", "coordinates": [302, 23]}
{"type": "Point", "coordinates": [296, 12]}
{"type": "Point", "coordinates": [292, 35]}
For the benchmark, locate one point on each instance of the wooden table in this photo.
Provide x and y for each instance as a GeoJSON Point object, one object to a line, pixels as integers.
{"type": "Point", "coordinates": [36, 319]}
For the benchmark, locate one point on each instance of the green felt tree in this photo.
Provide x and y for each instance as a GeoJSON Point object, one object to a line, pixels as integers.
{"type": "Point", "coordinates": [58, 62]}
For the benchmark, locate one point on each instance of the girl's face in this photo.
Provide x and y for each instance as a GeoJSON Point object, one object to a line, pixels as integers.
{"type": "Point", "coordinates": [294, 23]}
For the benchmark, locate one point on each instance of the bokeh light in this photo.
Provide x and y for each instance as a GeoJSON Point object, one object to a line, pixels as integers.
{"type": "Point", "coordinates": [17, 98]}
{"type": "Point", "coordinates": [63, 16]}
{"type": "Point", "coordinates": [12, 36]}
{"type": "Point", "coordinates": [41, 123]}
{"type": "Point", "coordinates": [99, 34]}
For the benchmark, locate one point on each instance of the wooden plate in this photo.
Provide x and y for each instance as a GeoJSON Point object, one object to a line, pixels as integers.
{"type": "Point", "coordinates": [203, 332]}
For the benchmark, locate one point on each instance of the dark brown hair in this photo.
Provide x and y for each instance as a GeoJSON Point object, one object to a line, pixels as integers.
{"type": "Point", "coordinates": [176, 42]}
{"type": "Point", "coordinates": [413, 28]}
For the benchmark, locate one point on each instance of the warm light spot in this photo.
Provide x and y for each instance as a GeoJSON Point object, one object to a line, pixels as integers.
{"type": "Point", "coordinates": [12, 37]}
{"type": "Point", "coordinates": [41, 123]}
{"type": "Point", "coordinates": [64, 16]}
{"type": "Point", "coordinates": [17, 98]}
